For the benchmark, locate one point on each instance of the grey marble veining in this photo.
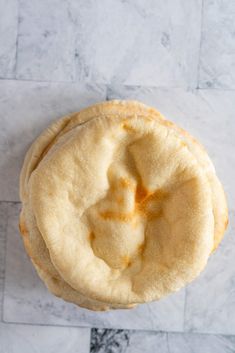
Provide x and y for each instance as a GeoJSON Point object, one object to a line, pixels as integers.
{"type": "Point", "coordinates": [136, 42]}
{"type": "Point", "coordinates": [26, 109]}
{"type": "Point", "coordinates": [217, 56]}
{"type": "Point", "coordinates": [118, 341]}
{"type": "Point", "coordinates": [41, 339]}
{"type": "Point", "coordinates": [132, 42]}
{"type": "Point", "coordinates": [46, 41]}
{"type": "Point", "coordinates": [8, 37]}
{"type": "Point", "coordinates": [103, 340]}
{"type": "Point", "coordinates": [27, 300]}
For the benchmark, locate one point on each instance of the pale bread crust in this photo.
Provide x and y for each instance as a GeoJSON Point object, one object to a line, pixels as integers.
{"type": "Point", "coordinates": [39, 255]}
{"type": "Point", "coordinates": [111, 108]}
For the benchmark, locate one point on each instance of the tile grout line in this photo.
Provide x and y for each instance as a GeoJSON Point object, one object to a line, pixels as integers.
{"type": "Point", "coordinates": [200, 44]}
{"type": "Point", "coordinates": [86, 83]}
{"type": "Point", "coordinates": [167, 342]}
{"type": "Point", "coordinates": [115, 328]}
{"type": "Point", "coordinates": [215, 89]}
{"type": "Point", "coordinates": [41, 81]}
{"type": "Point", "coordinates": [21, 323]}
{"type": "Point", "coordinates": [9, 201]}
{"type": "Point", "coordinates": [4, 266]}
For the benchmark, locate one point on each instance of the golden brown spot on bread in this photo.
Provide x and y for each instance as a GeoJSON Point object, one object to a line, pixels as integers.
{"type": "Point", "coordinates": [155, 215]}
{"type": "Point", "coordinates": [91, 236]}
{"type": "Point", "coordinates": [23, 229]}
{"type": "Point", "coordinates": [55, 280]}
{"type": "Point", "coordinates": [159, 194]}
{"type": "Point", "coordinates": [126, 261]}
{"type": "Point", "coordinates": [167, 123]}
{"type": "Point", "coordinates": [148, 119]}
{"type": "Point", "coordinates": [182, 143]}
{"type": "Point", "coordinates": [226, 223]}
{"type": "Point", "coordinates": [141, 248]}
{"type": "Point", "coordinates": [126, 183]}
{"type": "Point", "coordinates": [155, 114]}
{"type": "Point", "coordinates": [143, 197]}
{"type": "Point", "coordinates": [141, 193]}
{"type": "Point", "coordinates": [128, 127]}
{"type": "Point", "coordinates": [117, 216]}
{"type": "Point", "coordinates": [120, 199]}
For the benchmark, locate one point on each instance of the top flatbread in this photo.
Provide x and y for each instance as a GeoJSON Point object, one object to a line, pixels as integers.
{"type": "Point", "coordinates": [123, 205]}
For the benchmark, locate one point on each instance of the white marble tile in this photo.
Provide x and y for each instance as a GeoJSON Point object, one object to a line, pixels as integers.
{"type": "Point", "coordinates": [103, 340]}
{"type": "Point", "coordinates": [41, 339]}
{"type": "Point", "coordinates": [46, 41]}
{"type": "Point", "coordinates": [8, 37]}
{"type": "Point", "coordinates": [207, 114]}
{"type": "Point", "coordinates": [3, 225]}
{"type": "Point", "coordinates": [151, 43]}
{"type": "Point", "coordinates": [194, 343]}
{"type": "Point", "coordinates": [27, 300]}
{"type": "Point", "coordinates": [217, 59]}
{"type": "Point", "coordinates": [26, 109]}
{"type": "Point", "coordinates": [138, 43]}
{"type": "Point", "coordinates": [147, 342]}
{"type": "Point", "coordinates": [210, 304]}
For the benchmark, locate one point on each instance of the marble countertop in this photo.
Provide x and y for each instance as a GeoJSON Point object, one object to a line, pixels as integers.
{"type": "Point", "coordinates": [59, 56]}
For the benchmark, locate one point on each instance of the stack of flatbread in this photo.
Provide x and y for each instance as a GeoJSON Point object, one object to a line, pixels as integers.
{"type": "Point", "coordinates": [119, 206]}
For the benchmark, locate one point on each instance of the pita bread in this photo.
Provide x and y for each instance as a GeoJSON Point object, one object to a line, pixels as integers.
{"type": "Point", "coordinates": [122, 218]}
